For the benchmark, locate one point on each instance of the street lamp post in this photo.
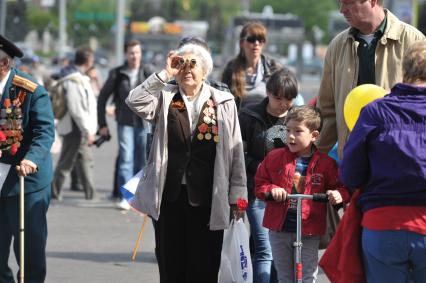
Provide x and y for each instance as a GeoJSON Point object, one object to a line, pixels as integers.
{"type": "Point", "coordinates": [119, 33]}
{"type": "Point", "coordinates": [3, 8]}
{"type": "Point", "coordinates": [62, 27]}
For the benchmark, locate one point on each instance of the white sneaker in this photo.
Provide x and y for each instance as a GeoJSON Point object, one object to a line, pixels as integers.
{"type": "Point", "coordinates": [124, 205]}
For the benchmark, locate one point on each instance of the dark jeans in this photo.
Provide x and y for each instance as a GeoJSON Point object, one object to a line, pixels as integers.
{"type": "Point", "coordinates": [36, 206]}
{"type": "Point", "coordinates": [187, 251]}
{"type": "Point", "coordinates": [76, 184]}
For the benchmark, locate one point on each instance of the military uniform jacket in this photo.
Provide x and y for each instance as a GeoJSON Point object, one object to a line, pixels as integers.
{"type": "Point", "coordinates": [37, 137]}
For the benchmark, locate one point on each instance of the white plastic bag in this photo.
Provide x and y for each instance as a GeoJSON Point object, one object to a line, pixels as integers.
{"type": "Point", "coordinates": [235, 264]}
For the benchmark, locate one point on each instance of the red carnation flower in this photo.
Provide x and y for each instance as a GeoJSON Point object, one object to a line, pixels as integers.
{"type": "Point", "coordinates": [13, 149]}
{"type": "Point", "coordinates": [2, 136]}
{"type": "Point", "coordinates": [242, 204]}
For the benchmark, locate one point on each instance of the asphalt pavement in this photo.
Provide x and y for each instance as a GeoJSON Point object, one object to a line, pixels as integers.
{"type": "Point", "coordinates": [92, 241]}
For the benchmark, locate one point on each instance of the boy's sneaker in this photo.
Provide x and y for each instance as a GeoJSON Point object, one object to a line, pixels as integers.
{"type": "Point", "coordinates": [124, 205]}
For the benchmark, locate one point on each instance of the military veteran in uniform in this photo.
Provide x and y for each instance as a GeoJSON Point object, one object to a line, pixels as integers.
{"type": "Point", "coordinates": [26, 135]}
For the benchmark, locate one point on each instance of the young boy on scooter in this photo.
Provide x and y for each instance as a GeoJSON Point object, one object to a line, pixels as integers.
{"type": "Point", "coordinates": [298, 168]}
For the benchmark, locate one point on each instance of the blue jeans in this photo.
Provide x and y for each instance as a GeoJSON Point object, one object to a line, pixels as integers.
{"type": "Point", "coordinates": [262, 259]}
{"type": "Point", "coordinates": [132, 151]}
{"type": "Point", "coordinates": [389, 255]}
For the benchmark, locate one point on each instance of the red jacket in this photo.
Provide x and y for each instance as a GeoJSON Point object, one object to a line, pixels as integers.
{"type": "Point", "coordinates": [342, 261]}
{"type": "Point", "coordinates": [277, 170]}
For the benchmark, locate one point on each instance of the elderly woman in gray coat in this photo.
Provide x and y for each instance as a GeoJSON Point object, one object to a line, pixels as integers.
{"type": "Point", "coordinates": [195, 172]}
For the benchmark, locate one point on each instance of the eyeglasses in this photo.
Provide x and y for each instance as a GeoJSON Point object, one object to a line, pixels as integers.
{"type": "Point", "coordinates": [181, 63]}
{"type": "Point", "coordinates": [349, 4]}
{"type": "Point", "coordinates": [254, 38]}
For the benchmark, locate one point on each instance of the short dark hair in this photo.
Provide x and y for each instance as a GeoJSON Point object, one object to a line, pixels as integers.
{"type": "Point", "coordinates": [131, 43]}
{"type": "Point", "coordinates": [310, 116]}
{"type": "Point", "coordinates": [283, 83]}
{"type": "Point", "coordinates": [82, 55]}
{"type": "Point", "coordinates": [194, 40]}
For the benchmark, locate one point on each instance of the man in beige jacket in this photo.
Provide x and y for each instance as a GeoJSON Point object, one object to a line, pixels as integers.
{"type": "Point", "coordinates": [370, 51]}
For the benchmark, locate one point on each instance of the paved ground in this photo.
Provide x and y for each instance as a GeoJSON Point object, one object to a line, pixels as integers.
{"type": "Point", "coordinates": [92, 241]}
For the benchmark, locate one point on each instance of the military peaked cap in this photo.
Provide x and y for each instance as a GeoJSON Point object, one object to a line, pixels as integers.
{"type": "Point", "coordinates": [11, 49]}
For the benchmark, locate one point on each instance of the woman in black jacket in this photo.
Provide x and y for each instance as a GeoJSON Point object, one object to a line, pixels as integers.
{"type": "Point", "coordinates": [262, 129]}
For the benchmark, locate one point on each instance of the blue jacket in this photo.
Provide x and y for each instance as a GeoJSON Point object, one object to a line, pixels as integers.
{"type": "Point", "coordinates": [38, 136]}
{"type": "Point", "coordinates": [386, 151]}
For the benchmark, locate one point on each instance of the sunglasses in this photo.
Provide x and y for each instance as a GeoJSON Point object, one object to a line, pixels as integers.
{"type": "Point", "coordinates": [181, 63]}
{"type": "Point", "coordinates": [254, 38]}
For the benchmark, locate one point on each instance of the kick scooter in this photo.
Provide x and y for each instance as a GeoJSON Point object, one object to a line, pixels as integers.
{"type": "Point", "coordinates": [298, 243]}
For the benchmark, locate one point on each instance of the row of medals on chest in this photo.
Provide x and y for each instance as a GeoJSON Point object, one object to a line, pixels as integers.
{"type": "Point", "coordinates": [208, 128]}
{"type": "Point", "coordinates": [11, 124]}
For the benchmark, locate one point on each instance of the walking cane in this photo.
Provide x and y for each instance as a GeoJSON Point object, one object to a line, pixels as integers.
{"type": "Point", "coordinates": [21, 225]}
{"type": "Point", "coordinates": [135, 250]}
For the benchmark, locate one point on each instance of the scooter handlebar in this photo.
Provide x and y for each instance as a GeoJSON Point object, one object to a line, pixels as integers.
{"type": "Point", "coordinates": [320, 197]}
{"type": "Point", "coordinates": [315, 197]}
{"type": "Point", "coordinates": [268, 196]}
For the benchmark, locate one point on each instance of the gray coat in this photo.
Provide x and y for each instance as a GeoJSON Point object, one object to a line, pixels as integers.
{"type": "Point", "coordinates": [151, 101]}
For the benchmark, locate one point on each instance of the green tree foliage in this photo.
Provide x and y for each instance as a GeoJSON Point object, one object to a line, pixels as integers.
{"type": "Point", "coordinates": [312, 12]}
{"type": "Point", "coordinates": [143, 10]}
{"type": "Point", "coordinates": [91, 18]}
{"type": "Point", "coordinates": [84, 20]}
{"type": "Point", "coordinates": [40, 19]}
{"type": "Point", "coordinates": [217, 13]}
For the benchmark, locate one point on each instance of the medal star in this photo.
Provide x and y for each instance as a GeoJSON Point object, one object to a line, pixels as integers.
{"type": "Point", "coordinates": [203, 128]}
{"type": "Point", "coordinates": [214, 130]}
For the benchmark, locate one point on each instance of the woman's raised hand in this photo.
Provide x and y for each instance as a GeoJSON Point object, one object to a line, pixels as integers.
{"type": "Point", "coordinates": [171, 64]}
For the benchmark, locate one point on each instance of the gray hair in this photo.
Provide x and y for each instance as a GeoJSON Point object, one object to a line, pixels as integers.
{"type": "Point", "coordinates": [200, 52]}
{"type": "Point", "coordinates": [413, 63]}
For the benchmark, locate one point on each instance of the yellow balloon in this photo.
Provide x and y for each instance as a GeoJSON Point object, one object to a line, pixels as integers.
{"type": "Point", "coordinates": [357, 99]}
